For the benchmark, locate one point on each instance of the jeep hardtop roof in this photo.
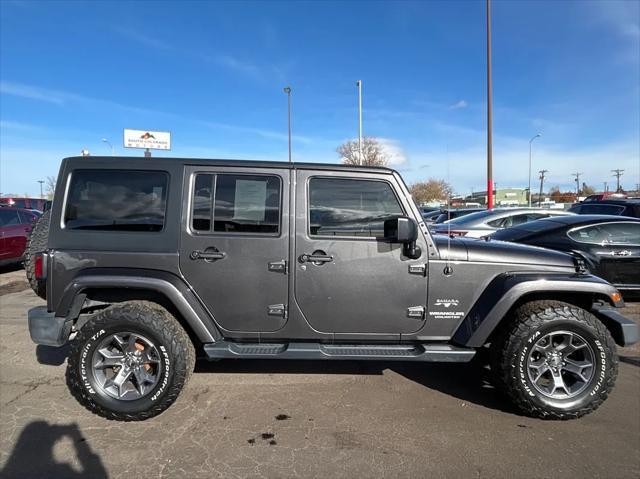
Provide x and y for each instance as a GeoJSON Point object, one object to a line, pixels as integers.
{"type": "Point", "coordinates": [141, 162]}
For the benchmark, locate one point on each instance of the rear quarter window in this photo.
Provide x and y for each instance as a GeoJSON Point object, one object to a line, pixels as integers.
{"type": "Point", "coordinates": [116, 200]}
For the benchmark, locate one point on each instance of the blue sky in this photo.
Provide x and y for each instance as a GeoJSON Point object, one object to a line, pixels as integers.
{"type": "Point", "coordinates": [212, 73]}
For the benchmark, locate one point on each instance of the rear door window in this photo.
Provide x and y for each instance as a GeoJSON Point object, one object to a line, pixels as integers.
{"type": "Point", "coordinates": [229, 203]}
{"type": "Point", "coordinates": [116, 200]}
{"type": "Point", "coordinates": [608, 233]}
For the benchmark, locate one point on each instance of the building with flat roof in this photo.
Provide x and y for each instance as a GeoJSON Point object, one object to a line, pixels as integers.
{"type": "Point", "coordinates": [501, 197]}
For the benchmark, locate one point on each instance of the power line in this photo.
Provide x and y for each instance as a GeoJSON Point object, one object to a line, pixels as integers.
{"type": "Point", "coordinates": [617, 173]}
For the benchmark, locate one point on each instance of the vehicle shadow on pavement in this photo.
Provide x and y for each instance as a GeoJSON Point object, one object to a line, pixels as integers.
{"type": "Point", "coordinates": [33, 454]}
{"type": "Point", "coordinates": [634, 361]}
{"type": "Point", "coordinates": [51, 356]}
{"type": "Point", "coordinates": [469, 382]}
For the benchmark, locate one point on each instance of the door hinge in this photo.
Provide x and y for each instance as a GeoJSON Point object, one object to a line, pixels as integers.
{"type": "Point", "coordinates": [415, 312]}
{"type": "Point", "coordinates": [277, 310]}
{"type": "Point", "coordinates": [281, 266]}
{"type": "Point", "coordinates": [420, 269]}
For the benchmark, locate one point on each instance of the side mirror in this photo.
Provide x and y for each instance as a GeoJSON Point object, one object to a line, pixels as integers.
{"type": "Point", "coordinates": [402, 229]}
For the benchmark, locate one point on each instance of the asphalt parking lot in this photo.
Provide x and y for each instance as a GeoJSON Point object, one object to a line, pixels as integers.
{"type": "Point", "coordinates": [302, 419]}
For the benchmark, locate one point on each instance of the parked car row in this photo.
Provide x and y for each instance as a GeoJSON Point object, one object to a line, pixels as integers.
{"type": "Point", "coordinates": [603, 233]}
{"type": "Point", "coordinates": [608, 245]}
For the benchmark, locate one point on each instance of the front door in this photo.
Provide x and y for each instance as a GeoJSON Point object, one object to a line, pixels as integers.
{"type": "Point", "coordinates": [235, 245]}
{"type": "Point", "coordinates": [347, 278]}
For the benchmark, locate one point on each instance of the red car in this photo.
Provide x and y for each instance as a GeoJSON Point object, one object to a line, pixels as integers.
{"type": "Point", "coordinates": [15, 227]}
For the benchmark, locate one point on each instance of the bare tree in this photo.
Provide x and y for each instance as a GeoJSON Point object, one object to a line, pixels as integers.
{"type": "Point", "coordinates": [431, 190]}
{"type": "Point", "coordinates": [373, 152]}
{"type": "Point", "coordinates": [51, 187]}
{"type": "Point", "coordinates": [588, 190]}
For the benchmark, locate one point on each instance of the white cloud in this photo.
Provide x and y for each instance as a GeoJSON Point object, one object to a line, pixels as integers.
{"type": "Point", "coordinates": [32, 93]}
{"type": "Point", "coordinates": [396, 153]}
{"type": "Point", "coordinates": [459, 104]}
{"type": "Point", "coordinates": [465, 168]}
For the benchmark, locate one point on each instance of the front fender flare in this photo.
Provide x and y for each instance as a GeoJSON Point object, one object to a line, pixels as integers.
{"type": "Point", "coordinates": [506, 289]}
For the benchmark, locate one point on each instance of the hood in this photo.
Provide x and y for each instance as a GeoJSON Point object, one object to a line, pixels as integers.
{"type": "Point", "coordinates": [480, 250]}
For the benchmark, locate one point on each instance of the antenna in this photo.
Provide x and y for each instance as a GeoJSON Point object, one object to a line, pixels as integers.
{"type": "Point", "coordinates": [447, 269]}
{"type": "Point", "coordinates": [617, 173]}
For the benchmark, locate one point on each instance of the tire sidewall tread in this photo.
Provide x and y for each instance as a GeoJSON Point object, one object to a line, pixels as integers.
{"type": "Point", "coordinates": [146, 318]}
{"type": "Point", "coordinates": [511, 348]}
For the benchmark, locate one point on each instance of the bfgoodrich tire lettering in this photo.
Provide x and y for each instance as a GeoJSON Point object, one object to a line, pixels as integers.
{"type": "Point", "coordinates": [137, 322]}
{"type": "Point", "coordinates": [554, 360]}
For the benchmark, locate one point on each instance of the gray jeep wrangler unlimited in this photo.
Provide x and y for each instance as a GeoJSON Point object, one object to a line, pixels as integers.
{"type": "Point", "coordinates": [148, 263]}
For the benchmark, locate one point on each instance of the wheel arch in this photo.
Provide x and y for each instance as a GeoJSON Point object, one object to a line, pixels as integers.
{"type": "Point", "coordinates": [110, 286]}
{"type": "Point", "coordinates": [509, 291]}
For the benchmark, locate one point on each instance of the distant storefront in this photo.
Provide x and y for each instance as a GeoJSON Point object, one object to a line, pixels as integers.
{"type": "Point", "coordinates": [501, 197]}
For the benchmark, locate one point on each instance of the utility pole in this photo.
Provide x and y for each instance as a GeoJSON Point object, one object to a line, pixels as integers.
{"type": "Point", "coordinates": [577, 175]}
{"type": "Point", "coordinates": [617, 173]}
{"type": "Point", "coordinates": [489, 113]}
{"type": "Point", "coordinates": [41, 194]}
{"type": "Point", "coordinates": [542, 174]}
{"type": "Point", "coordinates": [606, 186]}
{"type": "Point", "coordinates": [530, 142]}
{"type": "Point", "coordinates": [287, 90]}
{"type": "Point", "coordinates": [360, 155]}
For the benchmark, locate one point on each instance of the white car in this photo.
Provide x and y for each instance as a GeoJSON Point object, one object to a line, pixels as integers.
{"type": "Point", "coordinates": [485, 223]}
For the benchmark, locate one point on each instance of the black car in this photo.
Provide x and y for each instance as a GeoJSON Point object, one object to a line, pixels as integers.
{"type": "Point", "coordinates": [609, 245]}
{"type": "Point", "coordinates": [619, 207]}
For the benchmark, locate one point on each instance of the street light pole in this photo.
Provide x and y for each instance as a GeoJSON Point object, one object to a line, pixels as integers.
{"type": "Point", "coordinates": [360, 155]}
{"type": "Point", "coordinates": [41, 194]}
{"type": "Point", "coordinates": [287, 90]}
{"type": "Point", "coordinates": [489, 114]}
{"type": "Point", "coordinates": [104, 140]}
{"type": "Point", "coordinates": [531, 141]}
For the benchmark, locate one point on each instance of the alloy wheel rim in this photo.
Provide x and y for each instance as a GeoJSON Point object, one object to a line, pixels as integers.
{"type": "Point", "coordinates": [126, 366]}
{"type": "Point", "coordinates": [561, 365]}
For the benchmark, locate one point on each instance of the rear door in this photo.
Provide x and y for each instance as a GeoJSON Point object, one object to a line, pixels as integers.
{"type": "Point", "coordinates": [358, 283]}
{"type": "Point", "coordinates": [616, 250]}
{"type": "Point", "coordinates": [234, 247]}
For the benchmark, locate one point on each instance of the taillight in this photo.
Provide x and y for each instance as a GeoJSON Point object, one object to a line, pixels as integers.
{"type": "Point", "coordinates": [38, 266]}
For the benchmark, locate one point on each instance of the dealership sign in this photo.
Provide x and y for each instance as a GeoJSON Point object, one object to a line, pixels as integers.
{"type": "Point", "coordinates": [153, 140]}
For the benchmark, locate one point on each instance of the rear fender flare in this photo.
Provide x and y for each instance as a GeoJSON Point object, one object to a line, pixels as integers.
{"type": "Point", "coordinates": [168, 285]}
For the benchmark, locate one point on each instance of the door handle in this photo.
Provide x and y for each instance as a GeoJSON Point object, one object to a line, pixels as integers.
{"type": "Point", "coordinates": [624, 252]}
{"type": "Point", "coordinates": [207, 255]}
{"type": "Point", "coordinates": [315, 258]}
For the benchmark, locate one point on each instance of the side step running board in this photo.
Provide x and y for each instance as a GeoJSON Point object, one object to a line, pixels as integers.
{"type": "Point", "coordinates": [416, 352]}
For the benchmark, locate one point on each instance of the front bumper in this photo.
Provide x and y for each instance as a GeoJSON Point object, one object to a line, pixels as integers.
{"type": "Point", "coordinates": [625, 332]}
{"type": "Point", "coordinates": [47, 329]}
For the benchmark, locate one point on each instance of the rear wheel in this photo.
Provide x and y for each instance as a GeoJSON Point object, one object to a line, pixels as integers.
{"type": "Point", "coordinates": [130, 361]}
{"type": "Point", "coordinates": [555, 360]}
{"type": "Point", "coordinates": [37, 243]}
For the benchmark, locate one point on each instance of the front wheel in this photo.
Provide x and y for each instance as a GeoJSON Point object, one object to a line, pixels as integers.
{"type": "Point", "coordinates": [555, 360]}
{"type": "Point", "coordinates": [130, 361]}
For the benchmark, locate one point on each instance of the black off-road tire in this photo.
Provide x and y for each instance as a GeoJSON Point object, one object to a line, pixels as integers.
{"type": "Point", "coordinates": [518, 335]}
{"type": "Point", "coordinates": [153, 322]}
{"type": "Point", "coordinates": [36, 243]}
